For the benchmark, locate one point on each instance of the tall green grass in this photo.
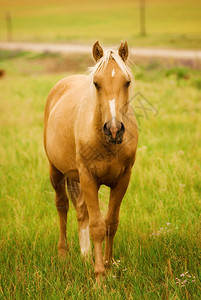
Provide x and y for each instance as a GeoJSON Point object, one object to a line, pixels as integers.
{"type": "Point", "coordinates": [168, 23]}
{"type": "Point", "coordinates": [158, 241]}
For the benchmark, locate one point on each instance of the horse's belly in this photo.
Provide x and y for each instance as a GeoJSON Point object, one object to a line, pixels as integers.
{"type": "Point", "coordinates": [63, 161]}
{"type": "Point", "coordinates": [61, 152]}
{"type": "Point", "coordinates": [62, 156]}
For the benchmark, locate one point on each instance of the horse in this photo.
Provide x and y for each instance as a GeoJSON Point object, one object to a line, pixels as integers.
{"type": "Point", "coordinates": [90, 138]}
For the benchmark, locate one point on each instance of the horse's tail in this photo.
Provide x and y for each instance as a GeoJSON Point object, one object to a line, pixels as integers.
{"type": "Point", "coordinates": [74, 190]}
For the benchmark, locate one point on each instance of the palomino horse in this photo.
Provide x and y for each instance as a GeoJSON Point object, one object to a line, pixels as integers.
{"type": "Point", "coordinates": [90, 138]}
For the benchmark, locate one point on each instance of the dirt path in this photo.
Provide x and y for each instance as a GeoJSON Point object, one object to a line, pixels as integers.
{"type": "Point", "coordinates": [193, 55]}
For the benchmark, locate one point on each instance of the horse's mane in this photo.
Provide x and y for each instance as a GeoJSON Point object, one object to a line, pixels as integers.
{"type": "Point", "coordinates": [103, 62]}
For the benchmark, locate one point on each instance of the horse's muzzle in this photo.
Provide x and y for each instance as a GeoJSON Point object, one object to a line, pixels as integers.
{"type": "Point", "coordinates": [114, 132]}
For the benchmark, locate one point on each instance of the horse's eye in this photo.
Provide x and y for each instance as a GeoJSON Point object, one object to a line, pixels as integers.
{"type": "Point", "coordinates": [96, 85]}
{"type": "Point", "coordinates": [127, 83]}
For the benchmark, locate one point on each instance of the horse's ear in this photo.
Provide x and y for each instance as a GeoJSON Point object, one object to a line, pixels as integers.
{"type": "Point", "coordinates": [123, 50]}
{"type": "Point", "coordinates": [97, 51]}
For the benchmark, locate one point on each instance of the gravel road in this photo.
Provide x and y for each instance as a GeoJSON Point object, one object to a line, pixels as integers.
{"type": "Point", "coordinates": [194, 55]}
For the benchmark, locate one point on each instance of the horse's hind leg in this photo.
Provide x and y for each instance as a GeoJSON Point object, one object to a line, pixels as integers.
{"type": "Point", "coordinates": [62, 205]}
{"type": "Point", "coordinates": [83, 221]}
{"type": "Point", "coordinates": [82, 215]}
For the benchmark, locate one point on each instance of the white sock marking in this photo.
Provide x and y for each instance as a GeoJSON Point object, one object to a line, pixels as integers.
{"type": "Point", "coordinates": [84, 241]}
{"type": "Point", "coordinates": [113, 72]}
{"type": "Point", "coordinates": [112, 109]}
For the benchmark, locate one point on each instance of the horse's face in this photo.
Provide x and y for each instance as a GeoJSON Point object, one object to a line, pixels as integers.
{"type": "Point", "coordinates": [111, 86]}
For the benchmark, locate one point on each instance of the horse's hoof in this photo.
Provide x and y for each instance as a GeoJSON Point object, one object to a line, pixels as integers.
{"type": "Point", "coordinates": [63, 250]}
{"type": "Point", "coordinates": [100, 280]}
{"type": "Point", "coordinates": [62, 253]}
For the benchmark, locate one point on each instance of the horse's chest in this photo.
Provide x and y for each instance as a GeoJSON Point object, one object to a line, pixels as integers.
{"type": "Point", "coordinates": [106, 164]}
{"type": "Point", "coordinates": [107, 172]}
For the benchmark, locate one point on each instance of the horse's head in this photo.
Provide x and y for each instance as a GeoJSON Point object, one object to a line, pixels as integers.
{"type": "Point", "coordinates": [111, 81]}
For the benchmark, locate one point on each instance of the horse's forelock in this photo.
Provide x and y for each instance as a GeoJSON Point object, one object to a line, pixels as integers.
{"type": "Point", "coordinates": [103, 62]}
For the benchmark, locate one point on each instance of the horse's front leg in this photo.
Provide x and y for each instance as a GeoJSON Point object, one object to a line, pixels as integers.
{"type": "Point", "coordinates": [112, 218]}
{"type": "Point", "coordinates": [97, 226]}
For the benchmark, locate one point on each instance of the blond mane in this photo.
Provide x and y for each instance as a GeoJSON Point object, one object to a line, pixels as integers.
{"type": "Point", "coordinates": [103, 62]}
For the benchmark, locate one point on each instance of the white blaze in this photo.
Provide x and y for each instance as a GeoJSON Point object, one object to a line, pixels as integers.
{"type": "Point", "coordinates": [113, 72]}
{"type": "Point", "coordinates": [84, 241]}
{"type": "Point", "coordinates": [112, 109]}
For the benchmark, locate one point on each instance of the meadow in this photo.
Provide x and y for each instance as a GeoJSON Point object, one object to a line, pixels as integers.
{"type": "Point", "coordinates": [174, 24]}
{"type": "Point", "coordinates": [157, 249]}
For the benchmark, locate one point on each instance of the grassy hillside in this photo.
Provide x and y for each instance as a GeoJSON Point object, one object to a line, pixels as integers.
{"type": "Point", "coordinates": [158, 243]}
{"type": "Point", "coordinates": [169, 23]}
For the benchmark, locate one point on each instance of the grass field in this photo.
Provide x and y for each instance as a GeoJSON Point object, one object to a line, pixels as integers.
{"type": "Point", "coordinates": [175, 24]}
{"type": "Point", "coordinates": [158, 243]}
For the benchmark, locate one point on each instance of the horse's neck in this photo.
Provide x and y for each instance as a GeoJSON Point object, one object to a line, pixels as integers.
{"type": "Point", "coordinates": [97, 119]}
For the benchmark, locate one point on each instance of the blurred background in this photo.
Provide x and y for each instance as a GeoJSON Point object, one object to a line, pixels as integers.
{"type": "Point", "coordinates": [158, 243]}
{"type": "Point", "coordinates": [164, 23]}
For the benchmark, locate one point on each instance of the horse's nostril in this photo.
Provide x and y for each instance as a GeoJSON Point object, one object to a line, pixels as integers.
{"type": "Point", "coordinates": [114, 131]}
{"type": "Point", "coordinates": [105, 130]}
{"type": "Point", "coordinates": [122, 128]}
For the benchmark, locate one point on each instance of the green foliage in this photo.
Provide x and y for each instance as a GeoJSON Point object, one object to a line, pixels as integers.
{"type": "Point", "coordinates": [197, 82]}
{"type": "Point", "coordinates": [179, 72]}
{"type": "Point", "coordinates": [158, 243]}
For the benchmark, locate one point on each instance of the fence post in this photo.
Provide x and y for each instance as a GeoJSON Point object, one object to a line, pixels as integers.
{"type": "Point", "coordinates": [9, 27]}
